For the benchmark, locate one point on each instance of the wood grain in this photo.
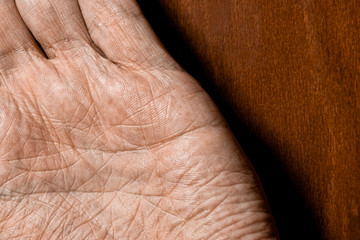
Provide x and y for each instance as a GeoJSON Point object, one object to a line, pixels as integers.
{"type": "Point", "coordinates": [286, 75]}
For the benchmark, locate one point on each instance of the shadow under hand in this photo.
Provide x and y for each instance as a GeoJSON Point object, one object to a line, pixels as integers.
{"type": "Point", "coordinates": [293, 219]}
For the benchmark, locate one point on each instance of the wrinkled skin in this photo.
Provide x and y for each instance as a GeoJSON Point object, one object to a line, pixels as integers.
{"type": "Point", "coordinates": [106, 137]}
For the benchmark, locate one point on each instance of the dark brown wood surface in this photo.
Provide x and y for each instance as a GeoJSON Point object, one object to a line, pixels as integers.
{"type": "Point", "coordinates": [286, 75]}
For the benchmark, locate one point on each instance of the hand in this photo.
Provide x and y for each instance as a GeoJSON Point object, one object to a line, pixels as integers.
{"type": "Point", "coordinates": [106, 137]}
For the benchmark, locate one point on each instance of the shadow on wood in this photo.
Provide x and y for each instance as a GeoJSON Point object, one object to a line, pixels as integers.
{"type": "Point", "coordinates": [292, 215]}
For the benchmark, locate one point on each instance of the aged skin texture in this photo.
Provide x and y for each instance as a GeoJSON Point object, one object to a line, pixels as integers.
{"type": "Point", "coordinates": [105, 137]}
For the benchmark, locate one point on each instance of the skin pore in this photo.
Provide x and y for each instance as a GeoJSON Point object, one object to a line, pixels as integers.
{"type": "Point", "coordinates": [104, 136]}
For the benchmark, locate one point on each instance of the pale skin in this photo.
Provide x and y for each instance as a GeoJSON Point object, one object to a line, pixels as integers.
{"type": "Point", "coordinates": [104, 136]}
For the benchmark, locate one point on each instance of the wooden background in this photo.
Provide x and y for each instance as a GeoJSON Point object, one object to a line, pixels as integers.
{"type": "Point", "coordinates": [286, 76]}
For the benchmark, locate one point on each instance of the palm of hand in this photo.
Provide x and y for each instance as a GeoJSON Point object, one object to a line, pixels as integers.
{"type": "Point", "coordinates": [97, 147]}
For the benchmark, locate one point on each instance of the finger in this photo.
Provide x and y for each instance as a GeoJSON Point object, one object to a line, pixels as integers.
{"type": "Point", "coordinates": [121, 31]}
{"type": "Point", "coordinates": [16, 42]}
{"type": "Point", "coordinates": [57, 25]}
